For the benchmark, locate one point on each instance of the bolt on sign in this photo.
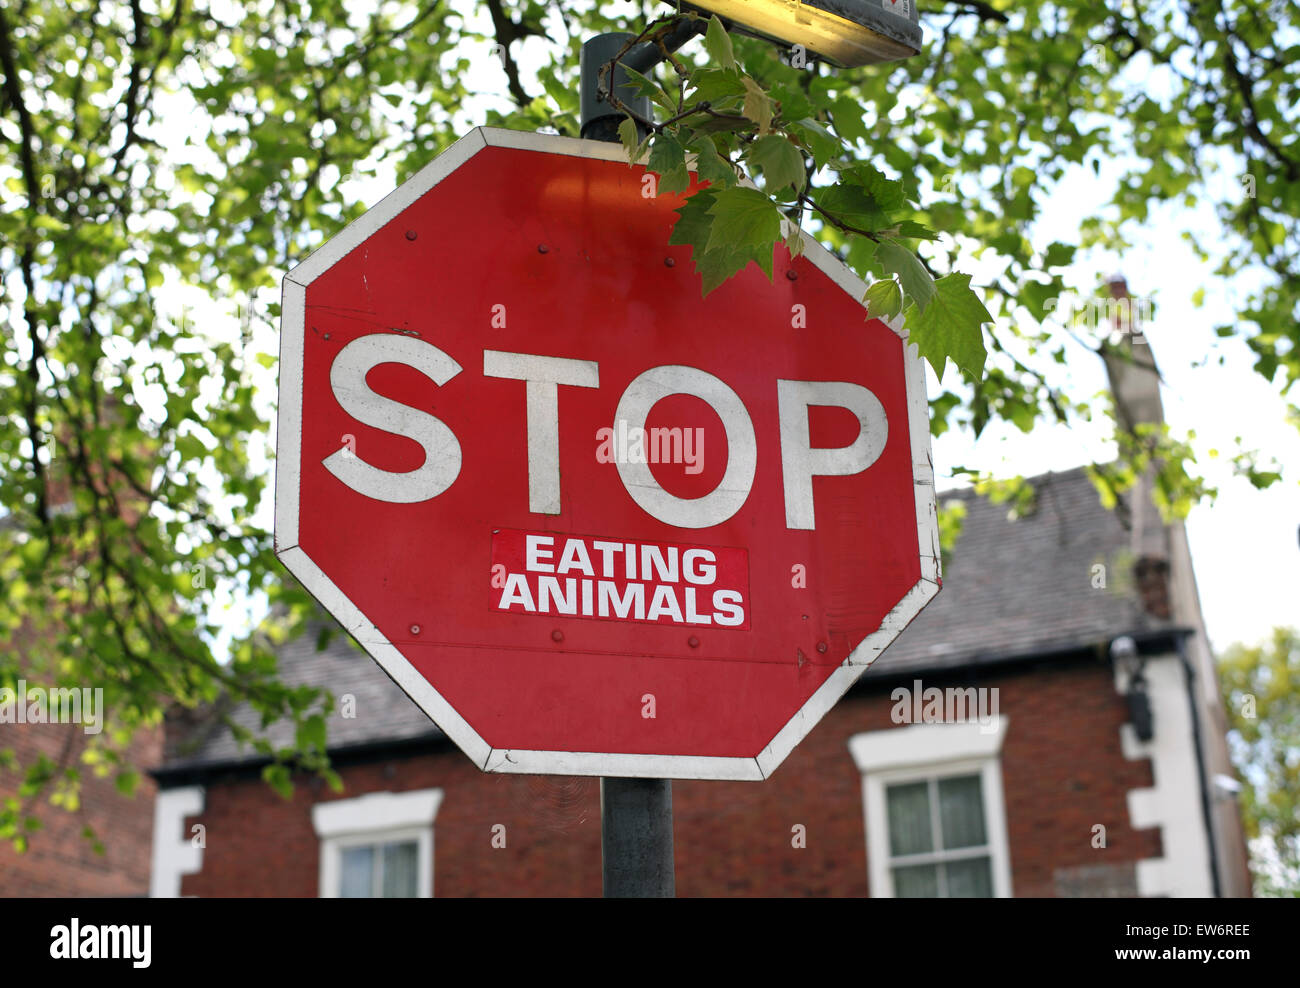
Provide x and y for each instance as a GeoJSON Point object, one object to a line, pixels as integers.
{"type": "Point", "coordinates": [590, 521]}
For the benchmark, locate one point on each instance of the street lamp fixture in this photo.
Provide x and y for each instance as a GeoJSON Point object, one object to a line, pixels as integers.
{"type": "Point", "coordinates": [849, 33]}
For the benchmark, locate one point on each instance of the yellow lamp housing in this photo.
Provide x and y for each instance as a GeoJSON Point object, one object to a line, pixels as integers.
{"type": "Point", "coordinates": [848, 33]}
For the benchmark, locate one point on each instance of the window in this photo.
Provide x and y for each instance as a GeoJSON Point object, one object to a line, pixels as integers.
{"type": "Point", "coordinates": [377, 846]}
{"type": "Point", "coordinates": [938, 846]}
{"type": "Point", "coordinates": [380, 871]}
{"type": "Point", "coordinates": [932, 800]}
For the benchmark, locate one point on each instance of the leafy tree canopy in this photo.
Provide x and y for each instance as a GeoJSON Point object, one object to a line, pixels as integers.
{"type": "Point", "coordinates": [156, 148]}
{"type": "Point", "coordinates": [1261, 692]}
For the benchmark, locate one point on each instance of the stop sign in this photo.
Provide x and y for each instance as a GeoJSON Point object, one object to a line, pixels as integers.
{"type": "Point", "coordinates": [591, 522]}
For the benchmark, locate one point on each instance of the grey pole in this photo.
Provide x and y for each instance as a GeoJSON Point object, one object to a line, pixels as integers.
{"type": "Point", "coordinates": [599, 119]}
{"type": "Point", "coordinates": [636, 815]}
{"type": "Point", "coordinates": [636, 837]}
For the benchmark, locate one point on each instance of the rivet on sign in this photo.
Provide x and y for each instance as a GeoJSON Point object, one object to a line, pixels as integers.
{"type": "Point", "coordinates": [327, 336]}
{"type": "Point", "coordinates": [415, 629]}
{"type": "Point", "coordinates": [411, 234]}
{"type": "Point", "coordinates": [792, 274]}
{"type": "Point", "coordinates": [821, 647]}
{"type": "Point", "coordinates": [669, 262]}
{"type": "Point", "coordinates": [693, 642]}
{"type": "Point", "coordinates": [557, 635]}
{"type": "Point", "coordinates": [542, 248]}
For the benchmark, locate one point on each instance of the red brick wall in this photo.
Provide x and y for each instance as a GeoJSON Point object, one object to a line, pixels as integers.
{"type": "Point", "coordinates": [59, 860]}
{"type": "Point", "coordinates": [1062, 768]}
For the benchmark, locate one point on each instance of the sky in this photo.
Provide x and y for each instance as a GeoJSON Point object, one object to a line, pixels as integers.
{"type": "Point", "coordinates": [1245, 546]}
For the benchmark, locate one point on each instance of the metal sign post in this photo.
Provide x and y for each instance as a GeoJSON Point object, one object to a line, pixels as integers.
{"type": "Point", "coordinates": [636, 815]}
{"type": "Point", "coordinates": [636, 838]}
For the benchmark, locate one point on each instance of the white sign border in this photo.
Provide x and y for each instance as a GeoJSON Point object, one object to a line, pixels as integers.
{"type": "Point", "coordinates": [320, 586]}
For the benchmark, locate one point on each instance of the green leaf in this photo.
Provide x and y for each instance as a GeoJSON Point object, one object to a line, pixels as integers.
{"type": "Point", "coordinates": [884, 299]}
{"type": "Point", "coordinates": [668, 161]}
{"type": "Point", "coordinates": [711, 166]}
{"type": "Point", "coordinates": [950, 327]}
{"type": "Point", "coordinates": [627, 133]}
{"type": "Point", "coordinates": [718, 44]}
{"type": "Point", "coordinates": [744, 218]}
{"type": "Point", "coordinates": [191, 447]}
{"type": "Point", "coordinates": [719, 88]}
{"type": "Point", "coordinates": [847, 116]}
{"type": "Point", "coordinates": [780, 162]}
{"type": "Point", "coordinates": [758, 105]}
{"type": "Point", "coordinates": [888, 193]}
{"type": "Point", "coordinates": [744, 237]}
{"type": "Point", "coordinates": [915, 231]}
{"type": "Point", "coordinates": [1035, 295]}
{"type": "Point", "coordinates": [645, 86]}
{"type": "Point", "coordinates": [126, 782]}
{"type": "Point", "coordinates": [820, 142]}
{"type": "Point", "coordinates": [693, 228]}
{"type": "Point", "coordinates": [1058, 255]}
{"type": "Point", "coordinates": [853, 206]}
{"type": "Point", "coordinates": [794, 241]}
{"type": "Point", "coordinates": [912, 275]}
{"type": "Point", "coordinates": [278, 777]}
{"type": "Point", "coordinates": [311, 733]}
{"type": "Point", "coordinates": [49, 224]}
{"type": "Point", "coordinates": [861, 257]}
{"type": "Point", "coordinates": [694, 221]}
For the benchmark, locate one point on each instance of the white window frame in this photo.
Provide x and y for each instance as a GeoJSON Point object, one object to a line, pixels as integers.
{"type": "Point", "coordinates": [921, 752]}
{"type": "Point", "coordinates": [376, 818]}
{"type": "Point", "coordinates": [176, 853]}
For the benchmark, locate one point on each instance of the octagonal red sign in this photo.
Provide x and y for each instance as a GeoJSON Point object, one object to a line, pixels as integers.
{"type": "Point", "coordinates": [591, 522]}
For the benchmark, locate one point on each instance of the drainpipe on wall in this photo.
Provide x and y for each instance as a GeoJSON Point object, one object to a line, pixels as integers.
{"type": "Point", "coordinates": [1207, 813]}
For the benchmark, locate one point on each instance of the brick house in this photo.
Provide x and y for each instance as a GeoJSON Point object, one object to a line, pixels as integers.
{"type": "Point", "coordinates": [59, 860]}
{"type": "Point", "coordinates": [1007, 802]}
{"type": "Point", "coordinates": [1050, 725]}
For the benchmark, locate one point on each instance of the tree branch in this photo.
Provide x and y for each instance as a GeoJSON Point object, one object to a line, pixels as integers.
{"type": "Point", "coordinates": [983, 11]}
{"type": "Point", "coordinates": [27, 157]}
{"type": "Point", "coordinates": [1246, 88]}
{"type": "Point", "coordinates": [507, 33]}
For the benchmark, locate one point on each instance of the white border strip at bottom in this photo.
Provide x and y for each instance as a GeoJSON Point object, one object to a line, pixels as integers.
{"type": "Point", "coordinates": [624, 766]}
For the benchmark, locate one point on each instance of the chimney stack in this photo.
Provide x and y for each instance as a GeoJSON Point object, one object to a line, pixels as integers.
{"type": "Point", "coordinates": [1135, 386]}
